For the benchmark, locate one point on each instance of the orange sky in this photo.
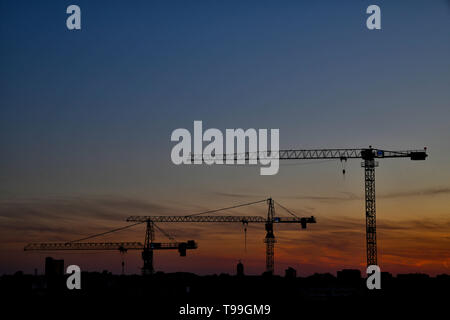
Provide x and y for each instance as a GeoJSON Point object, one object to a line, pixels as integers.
{"type": "Point", "coordinates": [420, 243]}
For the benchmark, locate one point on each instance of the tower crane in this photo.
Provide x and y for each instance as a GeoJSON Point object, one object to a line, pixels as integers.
{"type": "Point", "coordinates": [269, 221]}
{"type": "Point", "coordinates": [147, 248]}
{"type": "Point", "coordinates": [369, 157]}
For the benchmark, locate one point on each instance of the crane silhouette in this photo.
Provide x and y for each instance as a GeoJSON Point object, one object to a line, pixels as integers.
{"type": "Point", "coordinates": [369, 157]}
{"type": "Point", "coordinates": [245, 220]}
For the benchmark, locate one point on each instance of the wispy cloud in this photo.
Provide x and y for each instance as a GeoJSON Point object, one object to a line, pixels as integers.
{"type": "Point", "coordinates": [418, 193]}
{"type": "Point", "coordinates": [235, 195]}
{"type": "Point", "coordinates": [65, 218]}
{"type": "Point", "coordinates": [343, 196]}
{"type": "Point", "coordinates": [107, 208]}
{"type": "Point", "coordinates": [348, 196]}
{"type": "Point", "coordinates": [334, 241]}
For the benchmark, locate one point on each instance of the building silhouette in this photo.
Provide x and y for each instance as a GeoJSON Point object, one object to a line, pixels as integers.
{"type": "Point", "coordinates": [290, 273]}
{"type": "Point", "coordinates": [53, 267]}
{"type": "Point", "coordinates": [240, 269]}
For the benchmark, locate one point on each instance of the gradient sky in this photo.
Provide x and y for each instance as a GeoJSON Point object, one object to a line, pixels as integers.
{"type": "Point", "coordinates": [86, 118]}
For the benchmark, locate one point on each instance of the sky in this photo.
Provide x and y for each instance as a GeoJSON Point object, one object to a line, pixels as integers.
{"type": "Point", "coordinates": [86, 118]}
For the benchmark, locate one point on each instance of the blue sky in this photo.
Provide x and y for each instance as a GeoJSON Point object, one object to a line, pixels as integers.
{"type": "Point", "coordinates": [89, 101]}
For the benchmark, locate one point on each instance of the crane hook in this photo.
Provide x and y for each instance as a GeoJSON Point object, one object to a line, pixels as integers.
{"type": "Point", "coordinates": [122, 251]}
{"type": "Point", "coordinates": [245, 224]}
{"type": "Point", "coordinates": [343, 164]}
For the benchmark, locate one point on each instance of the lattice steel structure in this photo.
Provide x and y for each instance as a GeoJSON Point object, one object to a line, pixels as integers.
{"type": "Point", "coordinates": [147, 253]}
{"type": "Point", "coordinates": [242, 219]}
{"type": "Point", "coordinates": [269, 221]}
{"type": "Point", "coordinates": [270, 238]}
{"type": "Point", "coordinates": [84, 246]}
{"type": "Point", "coordinates": [311, 154]}
{"type": "Point", "coordinates": [371, 225]}
{"type": "Point", "coordinates": [147, 248]}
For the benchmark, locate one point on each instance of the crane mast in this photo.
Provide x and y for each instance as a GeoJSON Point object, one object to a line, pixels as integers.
{"type": "Point", "coordinates": [147, 253]}
{"type": "Point", "coordinates": [369, 165]}
{"type": "Point", "coordinates": [270, 238]}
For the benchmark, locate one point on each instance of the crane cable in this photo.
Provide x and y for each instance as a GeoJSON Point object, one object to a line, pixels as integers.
{"type": "Point", "coordinates": [164, 232]}
{"type": "Point", "coordinates": [232, 207]}
{"type": "Point", "coordinates": [245, 224]}
{"type": "Point", "coordinates": [106, 232]}
{"type": "Point", "coordinates": [289, 211]}
{"type": "Point", "coordinates": [227, 208]}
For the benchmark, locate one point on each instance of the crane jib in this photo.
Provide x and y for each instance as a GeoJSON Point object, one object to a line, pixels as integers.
{"type": "Point", "coordinates": [224, 219]}
{"type": "Point", "coordinates": [310, 154]}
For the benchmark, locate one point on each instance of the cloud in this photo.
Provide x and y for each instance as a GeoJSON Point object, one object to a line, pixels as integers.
{"type": "Point", "coordinates": [348, 196]}
{"type": "Point", "coordinates": [345, 196]}
{"type": "Point", "coordinates": [106, 208]}
{"type": "Point", "coordinates": [334, 241]}
{"type": "Point", "coordinates": [435, 224]}
{"type": "Point", "coordinates": [417, 193]}
{"type": "Point", "coordinates": [340, 242]}
{"type": "Point", "coordinates": [238, 195]}
{"type": "Point", "coordinates": [67, 218]}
